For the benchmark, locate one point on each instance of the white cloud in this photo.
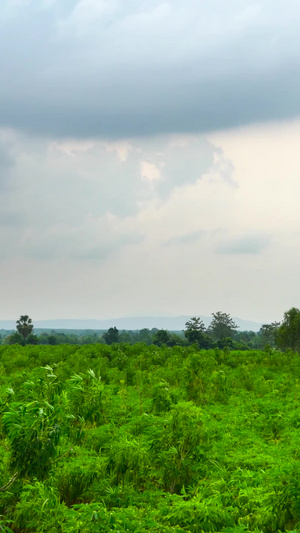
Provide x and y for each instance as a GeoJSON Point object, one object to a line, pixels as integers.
{"type": "Point", "coordinates": [70, 248]}
{"type": "Point", "coordinates": [82, 199]}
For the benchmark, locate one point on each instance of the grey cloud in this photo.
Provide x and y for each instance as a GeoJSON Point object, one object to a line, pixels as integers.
{"type": "Point", "coordinates": [187, 238]}
{"type": "Point", "coordinates": [224, 167]}
{"type": "Point", "coordinates": [78, 247]}
{"type": "Point", "coordinates": [12, 219]}
{"type": "Point", "coordinates": [63, 185]}
{"type": "Point", "coordinates": [80, 199]}
{"type": "Point", "coordinates": [6, 160]}
{"type": "Point", "coordinates": [247, 244]}
{"type": "Point", "coordinates": [85, 69]}
{"type": "Point", "coordinates": [181, 161]}
{"type": "Point", "coordinates": [103, 251]}
{"type": "Point", "coordinates": [6, 164]}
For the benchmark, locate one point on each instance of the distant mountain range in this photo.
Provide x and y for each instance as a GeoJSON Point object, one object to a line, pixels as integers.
{"type": "Point", "coordinates": [130, 323]}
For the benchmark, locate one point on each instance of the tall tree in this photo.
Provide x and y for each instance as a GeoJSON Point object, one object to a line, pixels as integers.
{"type": "Point", "coordinates": [194, 330]}
{"type": "Point", "coordinates": [288, 334]}
{"type": "Point", "coordinates": [111, 336]}
{"type": "Point", "coordinates": [161, 337]}
{"type": "Point", "coordinates": [24, 326]}
{"type": "Point", "coordinates": [145, 335]}
{"type": "Point", "coordinates": [222, 326]}
{"type": "Point", "coordinates": [268, 333]}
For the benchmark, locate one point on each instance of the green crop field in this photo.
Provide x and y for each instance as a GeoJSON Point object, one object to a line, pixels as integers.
{"type": "Point", "coordinates": [140, 439]}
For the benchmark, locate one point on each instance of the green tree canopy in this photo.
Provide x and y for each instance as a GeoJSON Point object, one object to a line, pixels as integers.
{"type": "Point", "coordinates": [288, 334]}
{"type": "Point", "coordinates": [195, 332]}
{"type": "Point", "coordinates": [222, 326]}
{"type": "Point", "coordinates": [268, 333]}
{"type": "Point", "coordinates": [145, 335]}
{"type": "Point", "coordinates": [24, 326]}
{"type": "Point", "coordinates": [15, 338]}
{"type": "Point", "coordinates": [111, 336]}
{"type": "Point", "coordinates": [161, 337]}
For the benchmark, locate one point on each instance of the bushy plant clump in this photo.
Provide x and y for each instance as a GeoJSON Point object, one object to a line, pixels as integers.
{"type": "Point", "coordinates": [143, 438]}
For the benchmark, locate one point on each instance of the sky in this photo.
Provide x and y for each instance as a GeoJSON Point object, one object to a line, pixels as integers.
{"type": "Point", "coordinates": [149, 158]}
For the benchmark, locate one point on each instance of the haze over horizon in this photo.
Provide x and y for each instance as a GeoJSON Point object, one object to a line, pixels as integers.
{"type": "Point", "coordinates": [149, 158]}
{"type": "Point", "coordinates": [127, 323]}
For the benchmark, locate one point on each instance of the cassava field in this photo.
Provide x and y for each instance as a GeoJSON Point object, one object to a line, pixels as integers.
{"type": "Point", "coordinates": [144, 439]}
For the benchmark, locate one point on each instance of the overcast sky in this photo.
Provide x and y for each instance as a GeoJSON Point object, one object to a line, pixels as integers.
{"type": "Point", "coordinates": [149, 158]}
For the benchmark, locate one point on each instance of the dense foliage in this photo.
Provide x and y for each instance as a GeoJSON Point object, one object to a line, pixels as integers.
{"type": "Point", "coordinates": [148, 439]}
{"type": "Point", "coordinates": [239, 340]}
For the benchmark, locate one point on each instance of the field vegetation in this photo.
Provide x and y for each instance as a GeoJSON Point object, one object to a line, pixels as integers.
{"type": "Point", "coordinates": [137, 438]}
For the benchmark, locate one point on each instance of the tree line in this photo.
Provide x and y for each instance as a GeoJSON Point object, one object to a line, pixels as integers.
{"type": "Point", "coordinates": [222, 327]}
{"type": "Point", "coordinates": [222, 332]}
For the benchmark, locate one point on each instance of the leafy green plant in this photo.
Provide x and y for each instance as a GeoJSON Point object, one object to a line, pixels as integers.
{"type": "Point", "coordinates": [39, 509]}
{"type": "Point", "coordinates": [167, 440]}
{"type": "Point", "coordinates": [33, 431]}
{"type": "Point", "coordinates": [161, 397]}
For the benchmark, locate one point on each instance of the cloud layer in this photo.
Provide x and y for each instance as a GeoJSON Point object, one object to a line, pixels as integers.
{"type": "Point", "coordinates": [81, 200]}
{"type": "Point", "coordinates": [90, 68]}
{"type": "Point", "coordinates": [168, 225]}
